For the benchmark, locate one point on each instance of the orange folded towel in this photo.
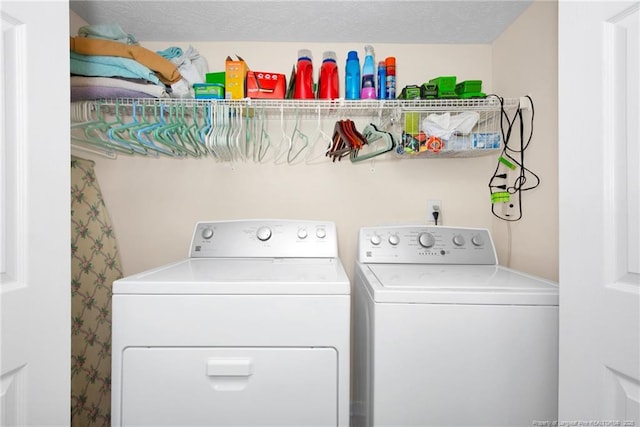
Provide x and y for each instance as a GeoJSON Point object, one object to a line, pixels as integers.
{"type": "Point", "coordinates": [167, 72]}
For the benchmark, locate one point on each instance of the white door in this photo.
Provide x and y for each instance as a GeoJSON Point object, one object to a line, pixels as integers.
{"type": "Point", "coordinates": [35, 292]}
{"type": "Point", "coordinates": [599, 212]}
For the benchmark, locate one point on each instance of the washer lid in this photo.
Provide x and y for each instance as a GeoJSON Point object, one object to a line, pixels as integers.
{"type": "Point", "coordinates": [458, 284]}
{"type": "Point", "coordinates": [245, 276]}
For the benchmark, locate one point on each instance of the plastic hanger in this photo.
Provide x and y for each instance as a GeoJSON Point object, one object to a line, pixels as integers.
{"type": "Point", "coordinates": [218, 142]}
{"type": "Point", "coordinates": [296, 135]}
{"type": "Point", "coordinates": [263, 143]}
{"type": "Point", "coordinates": [124, 133]}
{"type": "Point", "coordinates": [206, 128]}
{"type": "Point", "coordinates": [191, 132]}
{"type": "Point", "coordinates": [249, 131]}
{"type": "Point", "coordinates": [145, 135]}
{"type": "Point", "coordinates": [222, 142]}
{"type": "Point", "coordinates": [106, 129]}
{"type": "Point", "coordinates": [285, 140]}
{"type": "Point", "coordinates": [83, 114]}
{"type": "Point", "coordinates": [341, 143]}
{"type": "Point", "coordinates": [238, 113]}
{"type": "Point", "coordinates": [322, 139]}
{"type": "Point", "coordinates": [373, 137]}
{"type": "Point", "coordinates": [211, 134]}
{"type": "Point", "coordinates": [185, 134]}
{"type": "Point", "coordinates": [168, 133]}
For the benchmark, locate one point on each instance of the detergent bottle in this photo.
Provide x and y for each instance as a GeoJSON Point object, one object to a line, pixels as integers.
{"type": "Point", "coordinates": [328, 87]}
{"type": "Point", "coordinates": [352, 76]}
{"type": "Point", "coordinates": [382, 80]}
{"type": "Point", "coordinates": [368, 90]}
{"type": "Point", "coordinates": [304, 76]}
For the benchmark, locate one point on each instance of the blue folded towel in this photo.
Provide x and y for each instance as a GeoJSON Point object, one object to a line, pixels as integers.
{"type": "Point", "coordinates": [108, 32]}
{"type": "Point", "coordinates": [171, 53]}
{"type": "Point", "coordinates": [110, 66]}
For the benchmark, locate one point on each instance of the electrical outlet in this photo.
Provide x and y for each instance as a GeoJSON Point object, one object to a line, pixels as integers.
{"type": "Point", "coordinates": [434, 206]}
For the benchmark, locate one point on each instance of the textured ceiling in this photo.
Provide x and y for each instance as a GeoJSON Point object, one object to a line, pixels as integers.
{"type": "Point", "coordinates": [390, 21]}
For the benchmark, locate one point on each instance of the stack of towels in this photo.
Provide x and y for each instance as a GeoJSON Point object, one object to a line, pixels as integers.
{"type": "Point", "coordinates": [107, 62]}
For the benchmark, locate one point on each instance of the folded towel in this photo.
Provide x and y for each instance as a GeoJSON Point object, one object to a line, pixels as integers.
{"type": "Point", "coordinates": [191, 65]}
{"type": "Point", "coordinates": [85, 93]}
{"type": "Point", "coordinates": [167, 72]}
{"type": "Point", "coordinates": [149, 90]}
{"type": "Point", "coordinates": [109, 66]}
{"type": "Point", "coordinates": [108, 32]}
{"type": "Point", "coordinates": [171, 53]}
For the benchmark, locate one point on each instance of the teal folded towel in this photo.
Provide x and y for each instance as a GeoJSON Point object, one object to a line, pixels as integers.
{"type": "Point", "coordinates": [110, 66]}
{"type": "Point", "coordinates": [108, 32]}
{"type": "Point", "coordinates": [171, 52]}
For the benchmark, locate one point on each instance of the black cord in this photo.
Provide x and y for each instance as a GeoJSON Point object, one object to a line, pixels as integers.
{"type": "Point", "coordinates": [508, 156]}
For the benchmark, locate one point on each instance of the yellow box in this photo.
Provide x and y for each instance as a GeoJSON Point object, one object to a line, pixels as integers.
{"type": "Point", "coordinates": [235, 76]}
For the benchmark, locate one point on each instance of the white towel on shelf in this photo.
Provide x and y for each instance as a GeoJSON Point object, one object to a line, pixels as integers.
{"type": "Point", "coordinates": [192, 67]}
{"type": "Point", "coordinates": [445, 125]}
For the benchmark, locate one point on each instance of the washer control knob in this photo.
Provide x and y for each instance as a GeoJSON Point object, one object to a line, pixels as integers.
{"type": "Point", "coordinates": [477, 240]}
{"type": "Point", "coordinates": [426, 240]}
{"type": "Point", "coordinates": [375, 240]}
{"type": "Point", "coordinates": [207, 233]}
{"type": "Point", "coordinates": [302, 233]}
{"type": "Point", "coordinates": [394, 239]}
{"type": "Point", "coordinates": [263, 234]}
{"type": "Point", "coordinates": [321, 233]}
{"type": "Point", "coordinates": [458, 240]}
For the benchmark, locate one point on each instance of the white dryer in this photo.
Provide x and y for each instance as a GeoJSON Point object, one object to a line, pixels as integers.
{"type": "Point", "coordinates": [446, 337]}
{"type": "Point", "coordinates": [252, 329]}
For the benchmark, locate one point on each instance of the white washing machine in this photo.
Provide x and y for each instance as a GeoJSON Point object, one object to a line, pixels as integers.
{"type": "Point", "coordinates": [446, 337]}
{"type": "Point", "coordinates": [253, 329]}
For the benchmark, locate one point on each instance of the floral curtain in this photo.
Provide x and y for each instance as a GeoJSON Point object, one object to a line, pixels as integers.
{"type": "Point", "coordinates": [95, 264]}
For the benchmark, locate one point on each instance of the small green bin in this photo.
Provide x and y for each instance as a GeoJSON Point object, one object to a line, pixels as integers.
{"type": "Point", "coordinates": [208, 90]}
{"type": "Point", "coordinates": [470, 89]}
{"type": "Point", "coordinates": [446, 86]}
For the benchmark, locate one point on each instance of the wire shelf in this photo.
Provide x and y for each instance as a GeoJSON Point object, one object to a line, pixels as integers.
{"type": "Point", "coordinates": [125, 125]}
{"type": "Point", "coordinates": [345, 105]}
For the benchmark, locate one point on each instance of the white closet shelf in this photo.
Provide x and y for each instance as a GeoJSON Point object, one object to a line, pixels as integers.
{"type": "Point", "coordinates": [475, 104]}
{"type": "Point", "coordinates": [199, 127]}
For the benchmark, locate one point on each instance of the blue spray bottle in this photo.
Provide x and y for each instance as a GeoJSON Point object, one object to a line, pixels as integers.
{"type": "Point", "coordinates": [382, 80]}
{"type": "Point", "coordinates": [352, 76]}
{"type": "Point", "coordinates": [368, 75]}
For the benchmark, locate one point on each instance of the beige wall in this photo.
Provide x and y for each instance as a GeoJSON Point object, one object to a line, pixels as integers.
{"type": "Point", "coordinates": [154, 203]}
{"type": "Point", "coordinates": [525, 62]}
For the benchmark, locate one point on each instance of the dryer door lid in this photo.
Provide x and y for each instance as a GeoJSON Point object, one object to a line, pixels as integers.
{"type": "Point", "coordinates": [241, 276]}
{"type": "Point", "coordinates": [459, 284]}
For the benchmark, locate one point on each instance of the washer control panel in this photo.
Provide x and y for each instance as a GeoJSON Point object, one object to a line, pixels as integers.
{"type": "Point", "coordinates": [422, 244]}
{"type": "Point", "coordinates": [264, 238]}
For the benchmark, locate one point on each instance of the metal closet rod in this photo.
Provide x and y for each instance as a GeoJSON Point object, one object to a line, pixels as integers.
{"type": "Point", "coordinates": [488, 104]}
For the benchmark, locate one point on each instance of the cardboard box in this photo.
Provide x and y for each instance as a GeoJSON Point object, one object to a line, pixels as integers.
{"type": "Point", "coordinates": [262, 84]}
{"type": "Point", "coordinates": [235, 74]}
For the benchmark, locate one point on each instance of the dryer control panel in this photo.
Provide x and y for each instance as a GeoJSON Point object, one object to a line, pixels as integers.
{"type": "Point", "coordinates": [266, 238]}
{"type": "Point", "coordinates": [422, 244]}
